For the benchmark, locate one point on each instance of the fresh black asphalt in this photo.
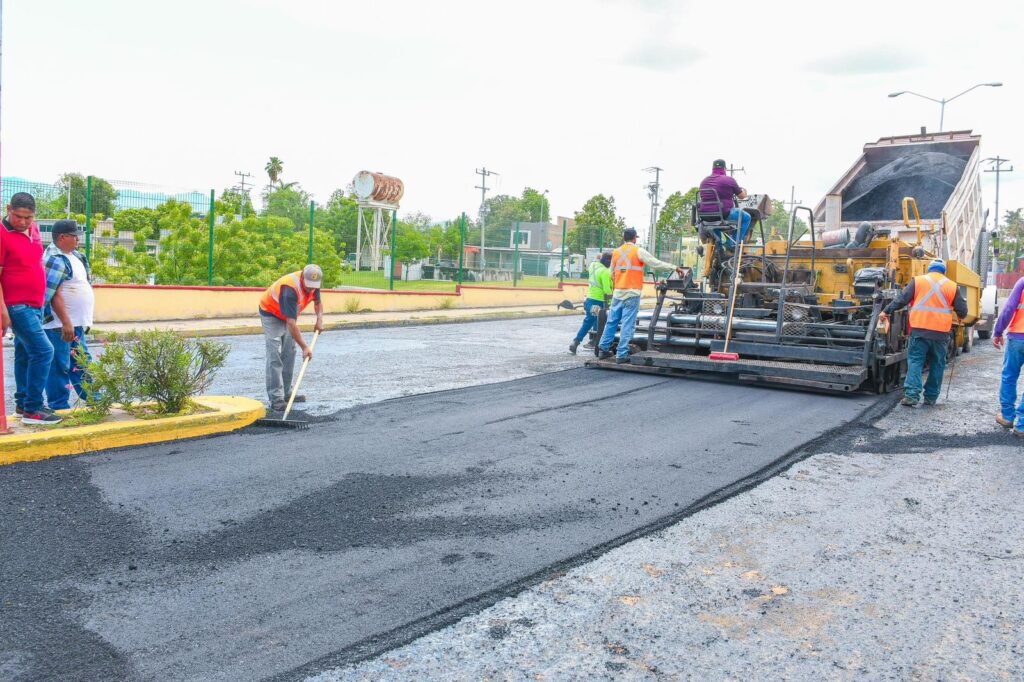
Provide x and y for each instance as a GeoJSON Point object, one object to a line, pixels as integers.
{"type": "Point", "coordinates": [275, 553]}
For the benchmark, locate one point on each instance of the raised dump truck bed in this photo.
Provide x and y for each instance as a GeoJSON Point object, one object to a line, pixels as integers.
{"type": "Point", "coordinates": [940, 170]}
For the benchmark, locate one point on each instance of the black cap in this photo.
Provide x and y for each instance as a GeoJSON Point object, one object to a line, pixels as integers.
{"type": "Point", "coordinates": [629, 234]}
{"type": "Point", "coordinates": [22, 200]}
{"type": "Point", "coordinates": [66, 227]}
{"type": "Point", "coordinates": [719, 163]}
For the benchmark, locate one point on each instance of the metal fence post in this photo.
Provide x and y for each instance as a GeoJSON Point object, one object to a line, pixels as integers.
{"type": "Point", "coordinates": [209, 254]}
{"type": "Point", "coordinates": [462, 243]}
{"type": "Point", "coordinates": [600, 239]}
{"type": "Point", "coordinates": [88, 217]}
{"type": "Point", "coordinates": [394, 254]}
{"type": "Point", "coordinates": [561, 264]}
{"type": "Point", "coordinates": [309, 260]}
{"type": "Point", "coordinates": [515, 258]}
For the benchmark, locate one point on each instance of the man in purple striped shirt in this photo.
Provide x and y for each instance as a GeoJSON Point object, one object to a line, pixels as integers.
{"type": "Point", "coordinates": [1011, 321]}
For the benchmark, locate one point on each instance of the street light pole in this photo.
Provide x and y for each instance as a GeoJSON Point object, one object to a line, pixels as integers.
{"type": "Point", "coordinates": [944, 101]}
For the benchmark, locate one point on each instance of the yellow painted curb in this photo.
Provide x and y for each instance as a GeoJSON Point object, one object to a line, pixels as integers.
{"type": "Point", "coordinates": [231, 413]}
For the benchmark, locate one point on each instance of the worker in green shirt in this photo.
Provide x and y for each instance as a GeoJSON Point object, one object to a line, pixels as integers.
{"type": "Point", "coordinates": [598, 296]}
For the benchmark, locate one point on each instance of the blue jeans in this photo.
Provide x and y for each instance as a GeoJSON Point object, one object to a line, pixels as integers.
{"type": "Point", "coordinates": [1013, 360]}
{"type": "Point", "coordinates": [67, 368]}
{"type": "Point", "coordinates": [918, 351]}
{"type": "Point", "coordinates": [590, 321]}
{"type": "Point", "coordinates": [622, 311]}
{"type": "Point", "coordinates": [745, 225]}
{"type": "Point", "coordinates": [32, 355]}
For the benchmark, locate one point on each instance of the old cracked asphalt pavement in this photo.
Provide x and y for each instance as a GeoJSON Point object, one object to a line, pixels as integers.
{"type": "Point", "coordinates": [279, 553]}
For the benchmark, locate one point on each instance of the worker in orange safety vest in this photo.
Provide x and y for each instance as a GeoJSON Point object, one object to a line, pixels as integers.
{"type": "Point", "coordinates": [280, 307]}
{"type": "Point", "coordinates": [933, 299]}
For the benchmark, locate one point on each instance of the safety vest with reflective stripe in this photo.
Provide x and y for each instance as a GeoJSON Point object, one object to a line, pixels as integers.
{"type": "Point", "coordinates": [271, 300]}
{"type": "Point", "coordinates": [627, 267]}
{"type": "Point", "coordinates": [1016, 325]}
{"type": "Point", "coordinates": [600, 281]}
{"type": "Point", "coordinates": [932, 308]}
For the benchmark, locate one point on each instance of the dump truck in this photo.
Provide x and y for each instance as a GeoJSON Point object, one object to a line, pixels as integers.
{"type": "Point", "coordinates": [801, 309]}
{"type": "Point", "coordinates": [939, 170]}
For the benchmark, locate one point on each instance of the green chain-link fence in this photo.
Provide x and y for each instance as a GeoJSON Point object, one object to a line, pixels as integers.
{"type": "Point", "coordinates": [143, 233]}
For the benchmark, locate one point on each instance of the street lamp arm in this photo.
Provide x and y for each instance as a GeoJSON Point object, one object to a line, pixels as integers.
{"type": "Point", "coordinates": [991, 85]}
{"type": "Point", "coordinates": [917, 94]}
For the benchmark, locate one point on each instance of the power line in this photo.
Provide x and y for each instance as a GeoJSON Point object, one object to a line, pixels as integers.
{"type": "Point", "coordinates": [484, 174]}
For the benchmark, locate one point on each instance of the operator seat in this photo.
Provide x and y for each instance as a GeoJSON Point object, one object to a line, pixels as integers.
{"type": "Point", "coordinates": [714, 225]}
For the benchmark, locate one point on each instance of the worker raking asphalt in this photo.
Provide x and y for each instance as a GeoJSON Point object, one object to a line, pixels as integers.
{"type": "Point", "coordinates": [280, 552]}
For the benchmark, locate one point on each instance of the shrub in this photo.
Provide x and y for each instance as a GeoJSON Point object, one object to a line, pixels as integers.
{"type": "Point", "coordinates": [447, 303]}
{"type": "Point", "coordinates": [154, 366]}
{"type": "Point", "coordinates": [351, 305]}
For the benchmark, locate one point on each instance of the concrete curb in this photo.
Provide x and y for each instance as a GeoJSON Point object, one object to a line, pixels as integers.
{"type": "Point", "coordinates": [101, 334]}
{"type": "Point", "coordinates": [231, 413]}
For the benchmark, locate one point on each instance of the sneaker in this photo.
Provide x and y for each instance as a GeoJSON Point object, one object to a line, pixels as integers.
{"type": "Point", "coordinates": [19, 410]}
{"type": "Point", "coordinates": [299, 398]}
{"type": "Point", "coordinates": [573, 346]}
{"type": "Point", "coordinates": [278, 405]}
{"type": "Point", "coordinates": [1005, 423]}
{"type": "Point", "coordinates": [42, 417]}
{"type": "Point", "coordinates": [604, 354]}
{"type": "Point", "coordinates": [909, 402]}
{"type": "Point", "coordinates": [1018, 433]}
{"type": "Point", "coordinates": [930, 401]}
{"type": "Point", "coordinates": [622, 360]}
{"type": "Point", "coordinates": [589, 345]}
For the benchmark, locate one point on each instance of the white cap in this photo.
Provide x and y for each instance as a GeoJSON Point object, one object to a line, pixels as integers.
{"type": "Point", "coordinates": [312, 276]}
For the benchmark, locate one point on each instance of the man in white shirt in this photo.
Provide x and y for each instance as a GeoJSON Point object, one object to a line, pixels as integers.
{"type": "Point", "coordinates": [67, 313]}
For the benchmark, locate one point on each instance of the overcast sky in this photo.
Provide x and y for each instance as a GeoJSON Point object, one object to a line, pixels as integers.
{"type": "Point", "coordinates": [572, 96]}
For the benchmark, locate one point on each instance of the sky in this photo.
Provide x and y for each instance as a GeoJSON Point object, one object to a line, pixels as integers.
{"type": "Point", "coordinates": [576, 96]}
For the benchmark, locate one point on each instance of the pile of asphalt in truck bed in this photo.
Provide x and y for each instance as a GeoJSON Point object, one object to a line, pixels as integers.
{"type": "Point", "coordinates": [929, 177]}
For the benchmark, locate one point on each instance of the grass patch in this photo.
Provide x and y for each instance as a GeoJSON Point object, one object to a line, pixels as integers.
{"type": "Point", "coordinates": [351, 305]}
{"type": "Point", "coordinates": [152, 411]}
{"type": "Point", "coordinates": [78, 417]}
{"type": "Point", "coordinates": [447, 304]}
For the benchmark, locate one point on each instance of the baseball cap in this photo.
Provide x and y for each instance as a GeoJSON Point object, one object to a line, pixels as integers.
{"type": "Point", "coordinates": [66, 227]}
{"type": "Point", "coordinates": [312, 276]}
{"type": "Point", "coordinates": [719, 163]}
{"type": "Point", "coordinates": [937, 265]}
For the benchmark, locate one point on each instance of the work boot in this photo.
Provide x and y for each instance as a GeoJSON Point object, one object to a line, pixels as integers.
{"type": "Point", "coordinates": [573, 346]}
{"type": "Point", "coordinates": [622, 360]}
{"type": "Point", "coordinates": [604, 354]}
{"type": "Point", "coordinates": [908, 401]}
{"type": "Point", "coordinates": [930, 401]}
{"type": "Point", "coordinates": [589, 345]}
{"type": "Point", "coordinates": [1018, 433]}
{"type": "Point", "coordinates": [299, 398]}
{"type": "Point", "coordinates": [278, 405]}
{"type": "Point", "coordinates": [1005, 423]}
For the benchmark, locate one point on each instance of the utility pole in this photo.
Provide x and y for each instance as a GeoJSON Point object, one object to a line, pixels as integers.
{"type": "Point", "coordinates": [792, 203]}
{"type": "Point", "coordinates": [244, 190]}
{"type": "Point", "coordinates": [484, 174]}
{"type": "Point", "coordinates": [997, 168]}
{"type": "Point", "coordinates": [733, 170]}
{"type": "Point", "coordinates": [653, 189]}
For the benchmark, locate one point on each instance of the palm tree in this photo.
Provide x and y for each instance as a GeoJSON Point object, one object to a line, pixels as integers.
{"type": "Point", "coordinates": [274, 169]}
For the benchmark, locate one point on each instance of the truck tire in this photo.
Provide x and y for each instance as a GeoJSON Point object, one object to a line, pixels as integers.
{"type": "Point", "coordinates": [968, 340]}
{"type": "Point", "coordinates": [984, 334]}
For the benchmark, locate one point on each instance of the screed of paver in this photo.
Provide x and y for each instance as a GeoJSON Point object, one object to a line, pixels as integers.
{"type": "Point", "coordinates": [255, 554]}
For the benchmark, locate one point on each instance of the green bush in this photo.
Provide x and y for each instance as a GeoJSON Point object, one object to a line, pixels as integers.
{"type": "Point", "coordinates": [154, 366]}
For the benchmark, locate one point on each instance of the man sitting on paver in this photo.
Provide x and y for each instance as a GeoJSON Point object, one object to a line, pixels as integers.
{"type": "Point", "coordinates": [1011, 321]}
{"type": "Point", "coordinates": [279, 312]}
{"type": "Point", "coordinates": [933, 299]}
{"type": "Point", "coordinates": [598, 296]}
{"type": "Point", "coordinates": [67, 314]}
{"type": "Point", "coordinates": [22, 293]}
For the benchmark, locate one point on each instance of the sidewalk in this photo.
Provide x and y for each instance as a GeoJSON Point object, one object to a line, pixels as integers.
{"type": "Point", "coordinates": [251, 325]}
{"type": "Point", "coordinates": [893, 551]}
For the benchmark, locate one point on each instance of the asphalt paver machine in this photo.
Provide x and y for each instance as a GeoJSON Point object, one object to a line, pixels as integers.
{"type": "Point", "coordinates": [805, 310]}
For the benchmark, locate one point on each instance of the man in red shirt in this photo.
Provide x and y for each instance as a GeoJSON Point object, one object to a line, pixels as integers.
{"type": "Point", "coordinates": [22, 293]}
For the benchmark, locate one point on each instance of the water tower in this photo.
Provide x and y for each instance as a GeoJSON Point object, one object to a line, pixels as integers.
{"type": "Point", "coordinates": [377, 196]}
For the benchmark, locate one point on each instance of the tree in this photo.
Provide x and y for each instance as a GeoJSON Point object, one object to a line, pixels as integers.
{"type": "Point", "coordinates": [288, 201]}
{"type": "Point", "coordinates": [234, 202]}
{"type": "Point", "coordinates": [410, 243]}
{"type": "Point", "coordinates": [676, 218]}
{"type": "Point", "coordinates": [778, 222]}
{"type": "Point", "coordinates": [339, 218]}
{"type": "Point", "coordinates": [597, 225]}
{"type": "Point", "coordinates": [1011, 237]}
{"type": "Point", "coordinates": [104, 197]}
{"type": "Point", "coordinates": [536, 206]}
{"type": "Point", "coordinates": [274, 169]}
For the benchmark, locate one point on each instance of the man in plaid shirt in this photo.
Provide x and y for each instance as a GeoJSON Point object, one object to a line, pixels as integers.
{"type": "Point", "coordinates": [67, 313]}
